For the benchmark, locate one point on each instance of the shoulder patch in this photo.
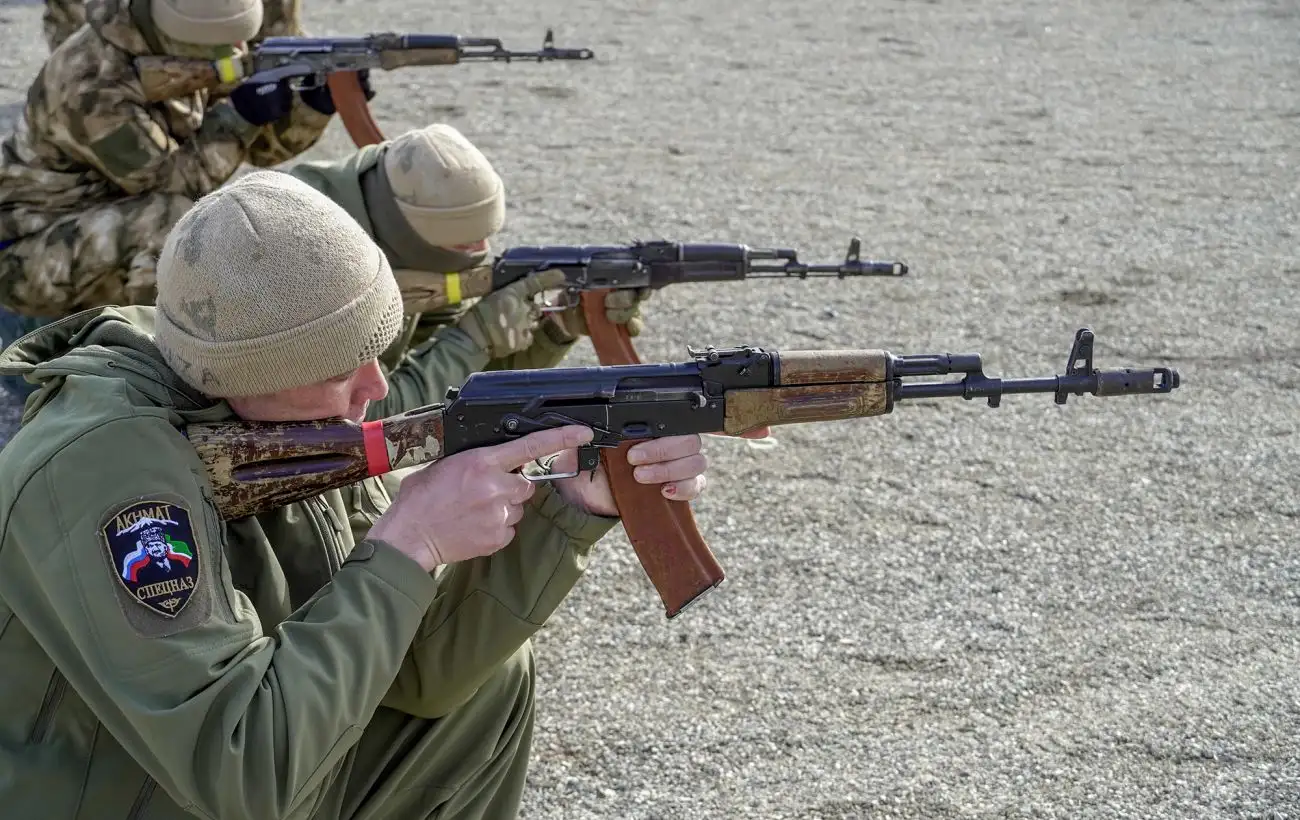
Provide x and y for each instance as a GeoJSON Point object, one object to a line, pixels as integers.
{"type": "Point", "coordinates": [154, 553]}
{"type": "Point", "coordinates": [129, 148]}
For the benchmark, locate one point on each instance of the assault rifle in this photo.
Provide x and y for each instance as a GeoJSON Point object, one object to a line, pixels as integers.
{"type": "Point", "coordinates": [309, 61]}
{"type": "Point", "coordinates": [655, 264]}
{"type": "Point", "coordinates": [258, 466]}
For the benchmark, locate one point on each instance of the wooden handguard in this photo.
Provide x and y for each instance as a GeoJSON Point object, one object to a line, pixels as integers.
{"type": "Point", "coordinates": [663, 533]}
{"type": "Point", "coordinates": [350, 101]}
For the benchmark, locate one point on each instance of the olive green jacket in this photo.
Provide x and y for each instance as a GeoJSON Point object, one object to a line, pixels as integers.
{"type": "Point", "coordinates": [227, 675]}
{"type": "Point", "coordinates": [341, 181]}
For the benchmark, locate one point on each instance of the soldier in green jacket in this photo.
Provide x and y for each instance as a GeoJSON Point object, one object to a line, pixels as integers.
{"type": "Point", "coordinates": [347, 656]}
{"type": "Point", "coordinates": [432, 201]}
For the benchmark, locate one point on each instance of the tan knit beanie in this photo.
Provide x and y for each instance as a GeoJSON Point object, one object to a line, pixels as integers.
{"type": "Point", "coordinates": [208, 22]}
{"type": "Point", "coordinates": [444, 186]}
{"type": "Point", "coordinates": [266, 284]}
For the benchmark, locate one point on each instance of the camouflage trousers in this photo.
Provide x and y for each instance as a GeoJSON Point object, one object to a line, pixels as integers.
{"type": "Point", "coordinates": [61, 18]}
{"type": "Point", "coordinates": [105, 255]}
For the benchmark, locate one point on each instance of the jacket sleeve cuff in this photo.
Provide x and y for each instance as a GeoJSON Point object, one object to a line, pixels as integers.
{"type": "Point", "coordinates": [222, 117]}
{"type": "Point", "coordinates": [395, 568]}
{"type": "Point", "coordinates": [578, 525]}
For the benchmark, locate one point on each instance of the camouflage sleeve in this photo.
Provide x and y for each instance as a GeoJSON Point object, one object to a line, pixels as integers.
{"type": "Point", "coordinates": [286, 138]}
{"type": "Point", "coordinates": [120, 574]}
{"type": "Point", "coordinates": [283, 140]}
{"type": "Point", "coordinates": [423, 375]}
{"type": "Point", "coordinates": [486, 608]}
{"type": "Point", "coordinates": [126, 139]}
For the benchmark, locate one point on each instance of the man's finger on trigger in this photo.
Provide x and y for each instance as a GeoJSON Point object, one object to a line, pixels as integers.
{"type": "Point", "coordinates": [514, 454]}
{"type": "Point", "coordinates": [668, 448]}
{"type": "Point", "coordinates": [545, 280]}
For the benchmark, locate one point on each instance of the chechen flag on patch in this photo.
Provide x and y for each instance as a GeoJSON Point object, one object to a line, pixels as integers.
{"type": "Point", "coordinates": [152, 546]}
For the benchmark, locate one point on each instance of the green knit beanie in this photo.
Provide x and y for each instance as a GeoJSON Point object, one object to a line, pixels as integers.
{"type": "Point", "coordinates": [266, 284]}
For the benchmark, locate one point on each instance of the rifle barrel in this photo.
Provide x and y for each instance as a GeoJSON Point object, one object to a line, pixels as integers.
{"type": "Point", "coordinates": [1120, 381]}
{"type": "Point", "coordinates": [842, 270]}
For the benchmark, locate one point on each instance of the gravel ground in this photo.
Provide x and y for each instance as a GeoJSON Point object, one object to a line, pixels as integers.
{"type": "Point", "coordinates": [954, 611]}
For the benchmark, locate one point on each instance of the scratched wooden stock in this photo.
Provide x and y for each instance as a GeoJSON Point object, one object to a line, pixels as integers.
{"type": "Point", "coordinates": [423, 292]}
{"type": "Point", "coordinates": [256, 467]}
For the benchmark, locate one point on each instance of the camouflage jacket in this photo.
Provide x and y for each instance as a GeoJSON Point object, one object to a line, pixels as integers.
{"type": "Point", "coordinates": [158, 662]}
{"type": "Point", "coordinates": [87, 134]}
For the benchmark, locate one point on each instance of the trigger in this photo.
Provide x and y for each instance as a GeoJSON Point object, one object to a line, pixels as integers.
{"type": "Point", "coordinates": [588, 457]}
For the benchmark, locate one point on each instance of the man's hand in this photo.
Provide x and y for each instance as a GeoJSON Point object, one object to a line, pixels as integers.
{"type": "Point", "coordinates": [675, 462]}
{"type": "Point", "coordinates": [503, 322]}
{"type": "Point", "coordinates": [320, 99]}
{"type": "Point", "coordinates": [467, 505]}
{"type": "Point", "coordinates": [262, 103]}
{"type": "Point", "coordinates": [622, 307]}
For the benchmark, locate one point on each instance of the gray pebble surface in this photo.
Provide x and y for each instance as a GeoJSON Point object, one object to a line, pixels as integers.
{"type": "Point", "coordinates": [1033, 611]}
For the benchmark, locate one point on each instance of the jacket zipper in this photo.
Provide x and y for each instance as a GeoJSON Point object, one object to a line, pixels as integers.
{"type": "Point", "coordinates": [53, 696]}
{"type": "Point", "coordinates": [142, 799]}
{"type": "Point", "coordinates": [330, 540]}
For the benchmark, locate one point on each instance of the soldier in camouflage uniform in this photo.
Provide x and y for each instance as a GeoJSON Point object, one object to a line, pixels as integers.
{"type": "Point", "coordinates": [93, 175]}
{"type": "Point", "coordinates": [61, 19]}
{"type": "Point", "coordinates": [432, 201]}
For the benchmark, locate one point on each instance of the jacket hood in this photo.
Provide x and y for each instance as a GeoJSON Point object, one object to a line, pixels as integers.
{"type": "Point", "coordinates": [126, 24]}
{"type": "Point", "coordinates": [109, 342]}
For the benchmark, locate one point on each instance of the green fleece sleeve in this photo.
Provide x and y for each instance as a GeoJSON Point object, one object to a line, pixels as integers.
{"type": "Point", "coordinates": [423, 375]}
{"type": "Point", "coordinates": [324, 176]}
{"type": "Point", "coordinates": [486, 608]}
{"type": "Point", "coordinates": [231, 717]}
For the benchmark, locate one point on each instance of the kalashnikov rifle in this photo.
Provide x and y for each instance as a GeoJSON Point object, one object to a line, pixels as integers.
{"type": "Point", "coordinates": [257, 466]}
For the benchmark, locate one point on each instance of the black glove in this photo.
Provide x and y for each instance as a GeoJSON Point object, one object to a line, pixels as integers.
{"type": "Point", "coordinates": [320, 99]}
{"type": "Point", "coordinates": [262, 103]}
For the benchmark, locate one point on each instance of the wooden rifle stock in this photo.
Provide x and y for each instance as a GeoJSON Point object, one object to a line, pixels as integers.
{"type": "Point", "coordinates": [253, 470]}
{"type": "Point", "coordinates": [166, 78]}
{"type": "Point", "coordinates": [663, 533]}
